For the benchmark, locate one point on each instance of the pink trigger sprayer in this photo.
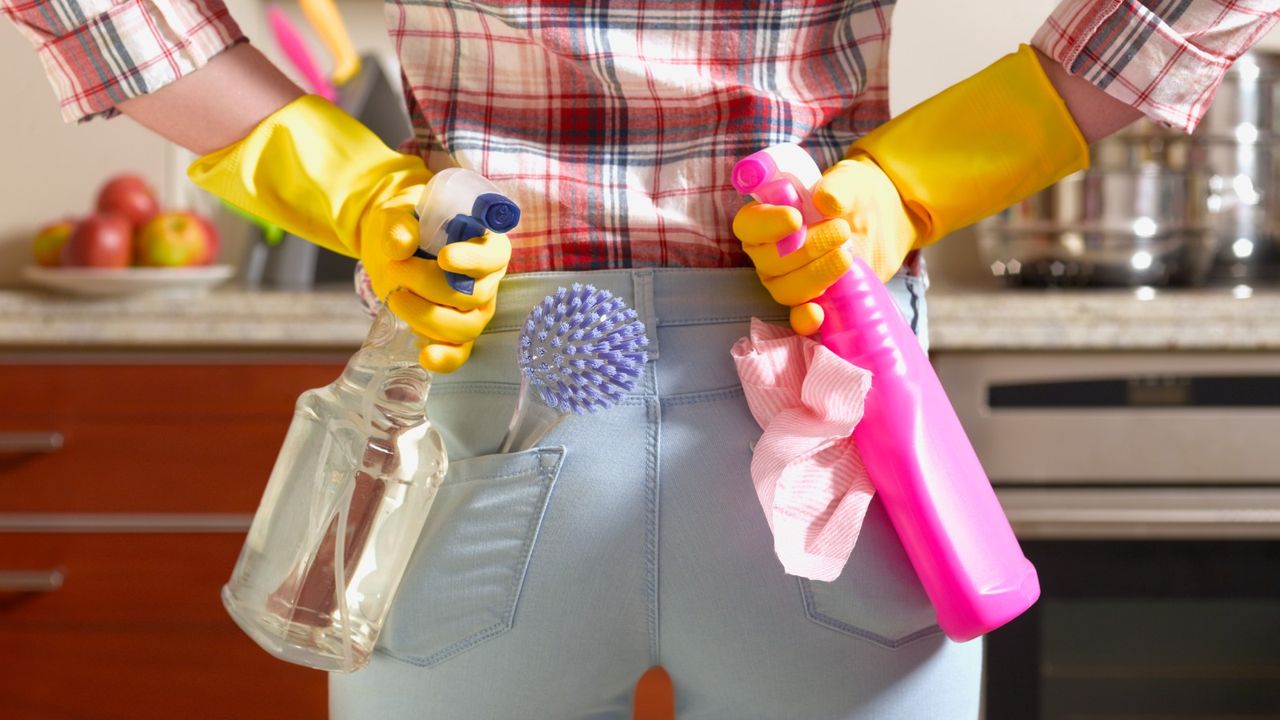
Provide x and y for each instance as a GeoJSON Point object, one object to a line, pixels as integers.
{"type": "Point", "coordinates": [923, 467]}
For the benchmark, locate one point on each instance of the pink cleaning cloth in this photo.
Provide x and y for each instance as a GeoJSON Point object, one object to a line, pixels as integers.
{"type": "Point", "coordinates": [806, 470]}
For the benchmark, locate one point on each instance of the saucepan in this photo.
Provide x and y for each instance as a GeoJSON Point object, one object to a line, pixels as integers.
{"type": "Point", "coordinates": [1159, 207]}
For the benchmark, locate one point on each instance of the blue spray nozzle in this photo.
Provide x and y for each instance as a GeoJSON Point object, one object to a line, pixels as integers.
{"type": "Point", "coordinates": [463, 227]}
{"type": "Point", "coordinates": [459, 229]}
{"type": "Point", "coordinates": [496, 212]}
{"type": "Point", "coordinates": [459, 205]}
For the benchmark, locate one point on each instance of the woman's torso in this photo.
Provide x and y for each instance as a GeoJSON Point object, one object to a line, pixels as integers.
{"type": "Point", "coordinates": [615, 124]}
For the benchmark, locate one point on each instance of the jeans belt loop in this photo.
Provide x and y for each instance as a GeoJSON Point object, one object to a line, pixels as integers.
{"type": "Point", "coordinates": [642, 296]}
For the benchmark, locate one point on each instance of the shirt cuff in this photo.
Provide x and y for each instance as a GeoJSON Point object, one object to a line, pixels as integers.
{"type": "Point", "coordinates": [1166, 64]}
{"type": "Point", "coordinates": [95, 60]}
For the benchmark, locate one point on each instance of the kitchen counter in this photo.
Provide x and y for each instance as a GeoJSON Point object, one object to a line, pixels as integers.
{"type": "Point", "coordinates": [213, 320]}
{"type": "Point", "coordinates": [1142, 320]}
{"type": "Point", "coordinates": [1006, 320]}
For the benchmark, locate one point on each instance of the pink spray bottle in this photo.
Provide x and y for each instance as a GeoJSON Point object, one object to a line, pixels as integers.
{"type": "Point", "coordinates": [923, 467]}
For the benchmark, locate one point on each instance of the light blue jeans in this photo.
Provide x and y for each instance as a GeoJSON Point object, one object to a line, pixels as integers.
{"type": "Point", "coordinates": [547, 581]}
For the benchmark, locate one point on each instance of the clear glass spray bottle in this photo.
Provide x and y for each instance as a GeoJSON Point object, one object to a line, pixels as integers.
{"type": "Point", "coordinates": [342, 511]}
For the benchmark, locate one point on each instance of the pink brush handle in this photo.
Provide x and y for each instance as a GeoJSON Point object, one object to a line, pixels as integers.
{"type": "Point", "coordinates": [292, 45]}
{"type": "Point", "coordinates": [923, 467]}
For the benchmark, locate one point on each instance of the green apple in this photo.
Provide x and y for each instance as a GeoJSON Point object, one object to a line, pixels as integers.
{"type": "Point", "coordinates": [46, 246]}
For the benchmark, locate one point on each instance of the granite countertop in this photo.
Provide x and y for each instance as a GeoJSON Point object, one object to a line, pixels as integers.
{"type": "Point", "coordinates": [978, 320]}
{"type": "Point", "coordinates": [1139, 320]}
{"type": "Point", "coordinates": [212, 320]}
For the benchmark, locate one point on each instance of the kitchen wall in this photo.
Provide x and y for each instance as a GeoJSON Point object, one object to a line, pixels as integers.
{"type": "Point", "coordinates": [50, 169]}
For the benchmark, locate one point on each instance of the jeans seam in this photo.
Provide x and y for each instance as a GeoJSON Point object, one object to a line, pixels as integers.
{"type": "Point", "coordinates": [661, 323]}
{"type": "Point", "coordinates": [531, 539]}
{"type": "Point", "coordinates": [811, 611]}
{"type": "Point", "coordinates": [719, 320]}
{"type": "Point", "coordinates": [698, 396]}
{"type": "Point", "coordinates": [652, 526]}
{"type": "Point", "coordinates": [634, 399]}
{"type": "Point", "coordinates": [508, 476]}
{"type": "Point", "coordinates": [478, 386]}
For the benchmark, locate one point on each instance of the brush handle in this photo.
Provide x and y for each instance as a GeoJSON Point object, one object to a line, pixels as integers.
{"type": "Point", "coordinates": [531, 421]}
{"type": "Point", "coordinates": [327, 22]}
{"type": "Point", "coordinates": [294, 48]}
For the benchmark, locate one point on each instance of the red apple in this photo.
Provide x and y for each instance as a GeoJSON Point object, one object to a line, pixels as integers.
{"type": "Point", "coordinates": [46, 246]}
{"type": "Point", "coordinates": [172, 239]}
{"type": "Point", "coordinates": [213, 241]}
{"type": "Point", "coordinates": [101, 241]}
{"type": "Point", "coordinates": [129, 196]}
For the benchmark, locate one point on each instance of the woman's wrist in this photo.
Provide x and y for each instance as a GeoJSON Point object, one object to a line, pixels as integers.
{"type": "Point", "coordinates": [1096, 113]}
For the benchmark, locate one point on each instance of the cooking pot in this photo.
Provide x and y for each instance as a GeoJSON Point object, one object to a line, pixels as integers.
{"type": "Point", "coordinates": [1159, 207]}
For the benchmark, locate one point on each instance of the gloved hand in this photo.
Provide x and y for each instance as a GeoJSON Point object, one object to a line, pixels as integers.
{"type": "Point", "coordinates": [869, 221]}
{"type": "Point", "coordinates": [972, 150]}
{"type": "Point", "coordinates": [317, 172]}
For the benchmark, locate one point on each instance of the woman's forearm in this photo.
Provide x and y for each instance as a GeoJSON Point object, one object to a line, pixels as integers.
{"type": "Point", "coordinates": [1096, 113]}
{"type": "Point", "coordinates": [217, 104]}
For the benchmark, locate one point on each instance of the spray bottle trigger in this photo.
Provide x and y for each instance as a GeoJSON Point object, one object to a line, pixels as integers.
{"type": "Point", "coordinates": [460, 229]}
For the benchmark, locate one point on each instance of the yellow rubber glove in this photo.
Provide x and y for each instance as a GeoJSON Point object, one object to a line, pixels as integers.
{"type": "Point", "coordinates": [972, 150]}
{"type": "Point", "coordinates": [318, 173]}
{"type": "Point", "coordinates": [800, 276]}
{"type": "Point", "coordinates": [871, 222]}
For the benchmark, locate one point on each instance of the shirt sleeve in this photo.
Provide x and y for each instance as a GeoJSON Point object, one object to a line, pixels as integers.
{"type": "Point", "coordinates": [98, 53]}
{"type": "Point", "coordinates": [1165, 58]}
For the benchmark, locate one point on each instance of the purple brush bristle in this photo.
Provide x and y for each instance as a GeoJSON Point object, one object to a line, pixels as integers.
{"type": "Point", "coordinates": [582, 349]}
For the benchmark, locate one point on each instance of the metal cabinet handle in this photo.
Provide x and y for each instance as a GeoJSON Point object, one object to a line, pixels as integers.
{"type": "Point", "coordinates": [30, 442]}
{"type": "Point", "coordinates": [30, 581]}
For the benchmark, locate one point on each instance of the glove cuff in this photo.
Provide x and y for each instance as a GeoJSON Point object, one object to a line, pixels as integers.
{"type": "Point", "coordinates": [977, 147]}
{"type": "Point", "coordinates": [310, 168]}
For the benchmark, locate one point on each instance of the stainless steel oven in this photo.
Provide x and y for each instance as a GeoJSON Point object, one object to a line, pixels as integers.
{"type": "Point", "coordinates": [1146, 489]}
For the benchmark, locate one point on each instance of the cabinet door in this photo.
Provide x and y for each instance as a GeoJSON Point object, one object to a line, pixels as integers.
{"type": "Point", "coordinates": [161, 438]}
{"type": "Point", "coordinates": [130, 625]}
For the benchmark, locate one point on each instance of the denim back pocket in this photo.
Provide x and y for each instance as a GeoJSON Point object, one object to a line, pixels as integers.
{"type": "Point", "coordinates": [877, 597]}
{"type": "Point", "coordinates": [464, 580]}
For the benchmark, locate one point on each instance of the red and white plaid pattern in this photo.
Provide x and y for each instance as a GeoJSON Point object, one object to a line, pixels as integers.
{"type": "Point", "coordinates": [1163, 57]}
{"type": "Point", "coordinates": [615, 124]}
{"type": "Point", "coordinates": [98, 53]}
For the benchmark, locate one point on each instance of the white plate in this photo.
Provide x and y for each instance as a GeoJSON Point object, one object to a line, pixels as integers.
{"type": "Point", "coordinates": [112, 282]}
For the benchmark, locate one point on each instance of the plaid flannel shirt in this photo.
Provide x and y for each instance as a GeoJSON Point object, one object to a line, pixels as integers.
{"type": "Point", "coordinates": [98, 53]}
{"type": "Point", "coordinates": [1164, 57]}
{"type": "Point", "coordinates": [615, 124]}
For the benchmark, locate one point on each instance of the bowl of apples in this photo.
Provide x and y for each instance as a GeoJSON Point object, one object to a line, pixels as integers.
{"type": "Point", "coordinates": [128, 245]}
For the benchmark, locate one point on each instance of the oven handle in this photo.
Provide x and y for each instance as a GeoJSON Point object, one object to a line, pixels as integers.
{"type": "Point", "coordinates": [30, 442]}
{"type": "Point", "coordinates": [31, 581]}
{"type": "Point", "coordinates": [1064, 513]}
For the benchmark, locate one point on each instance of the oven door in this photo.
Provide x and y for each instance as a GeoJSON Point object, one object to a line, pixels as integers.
{"type": "Point", "coordinates": [1145, 488]}
{"type": "Point", "coordinates": [1143, 630]}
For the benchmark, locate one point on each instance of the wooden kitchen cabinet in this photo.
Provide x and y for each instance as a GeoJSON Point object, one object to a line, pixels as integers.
{"type": "Point", "coordinates": [125, 491]}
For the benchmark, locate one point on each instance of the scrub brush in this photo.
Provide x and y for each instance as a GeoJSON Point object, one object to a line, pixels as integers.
{"type": "Point", "coordinates": [581, 350]}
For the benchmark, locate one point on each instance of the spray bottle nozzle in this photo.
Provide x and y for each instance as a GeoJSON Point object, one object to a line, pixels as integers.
{"type": "Point", "coordinates": [460, 205]}
{"type": "Point", "coordinates": [495, 212]}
